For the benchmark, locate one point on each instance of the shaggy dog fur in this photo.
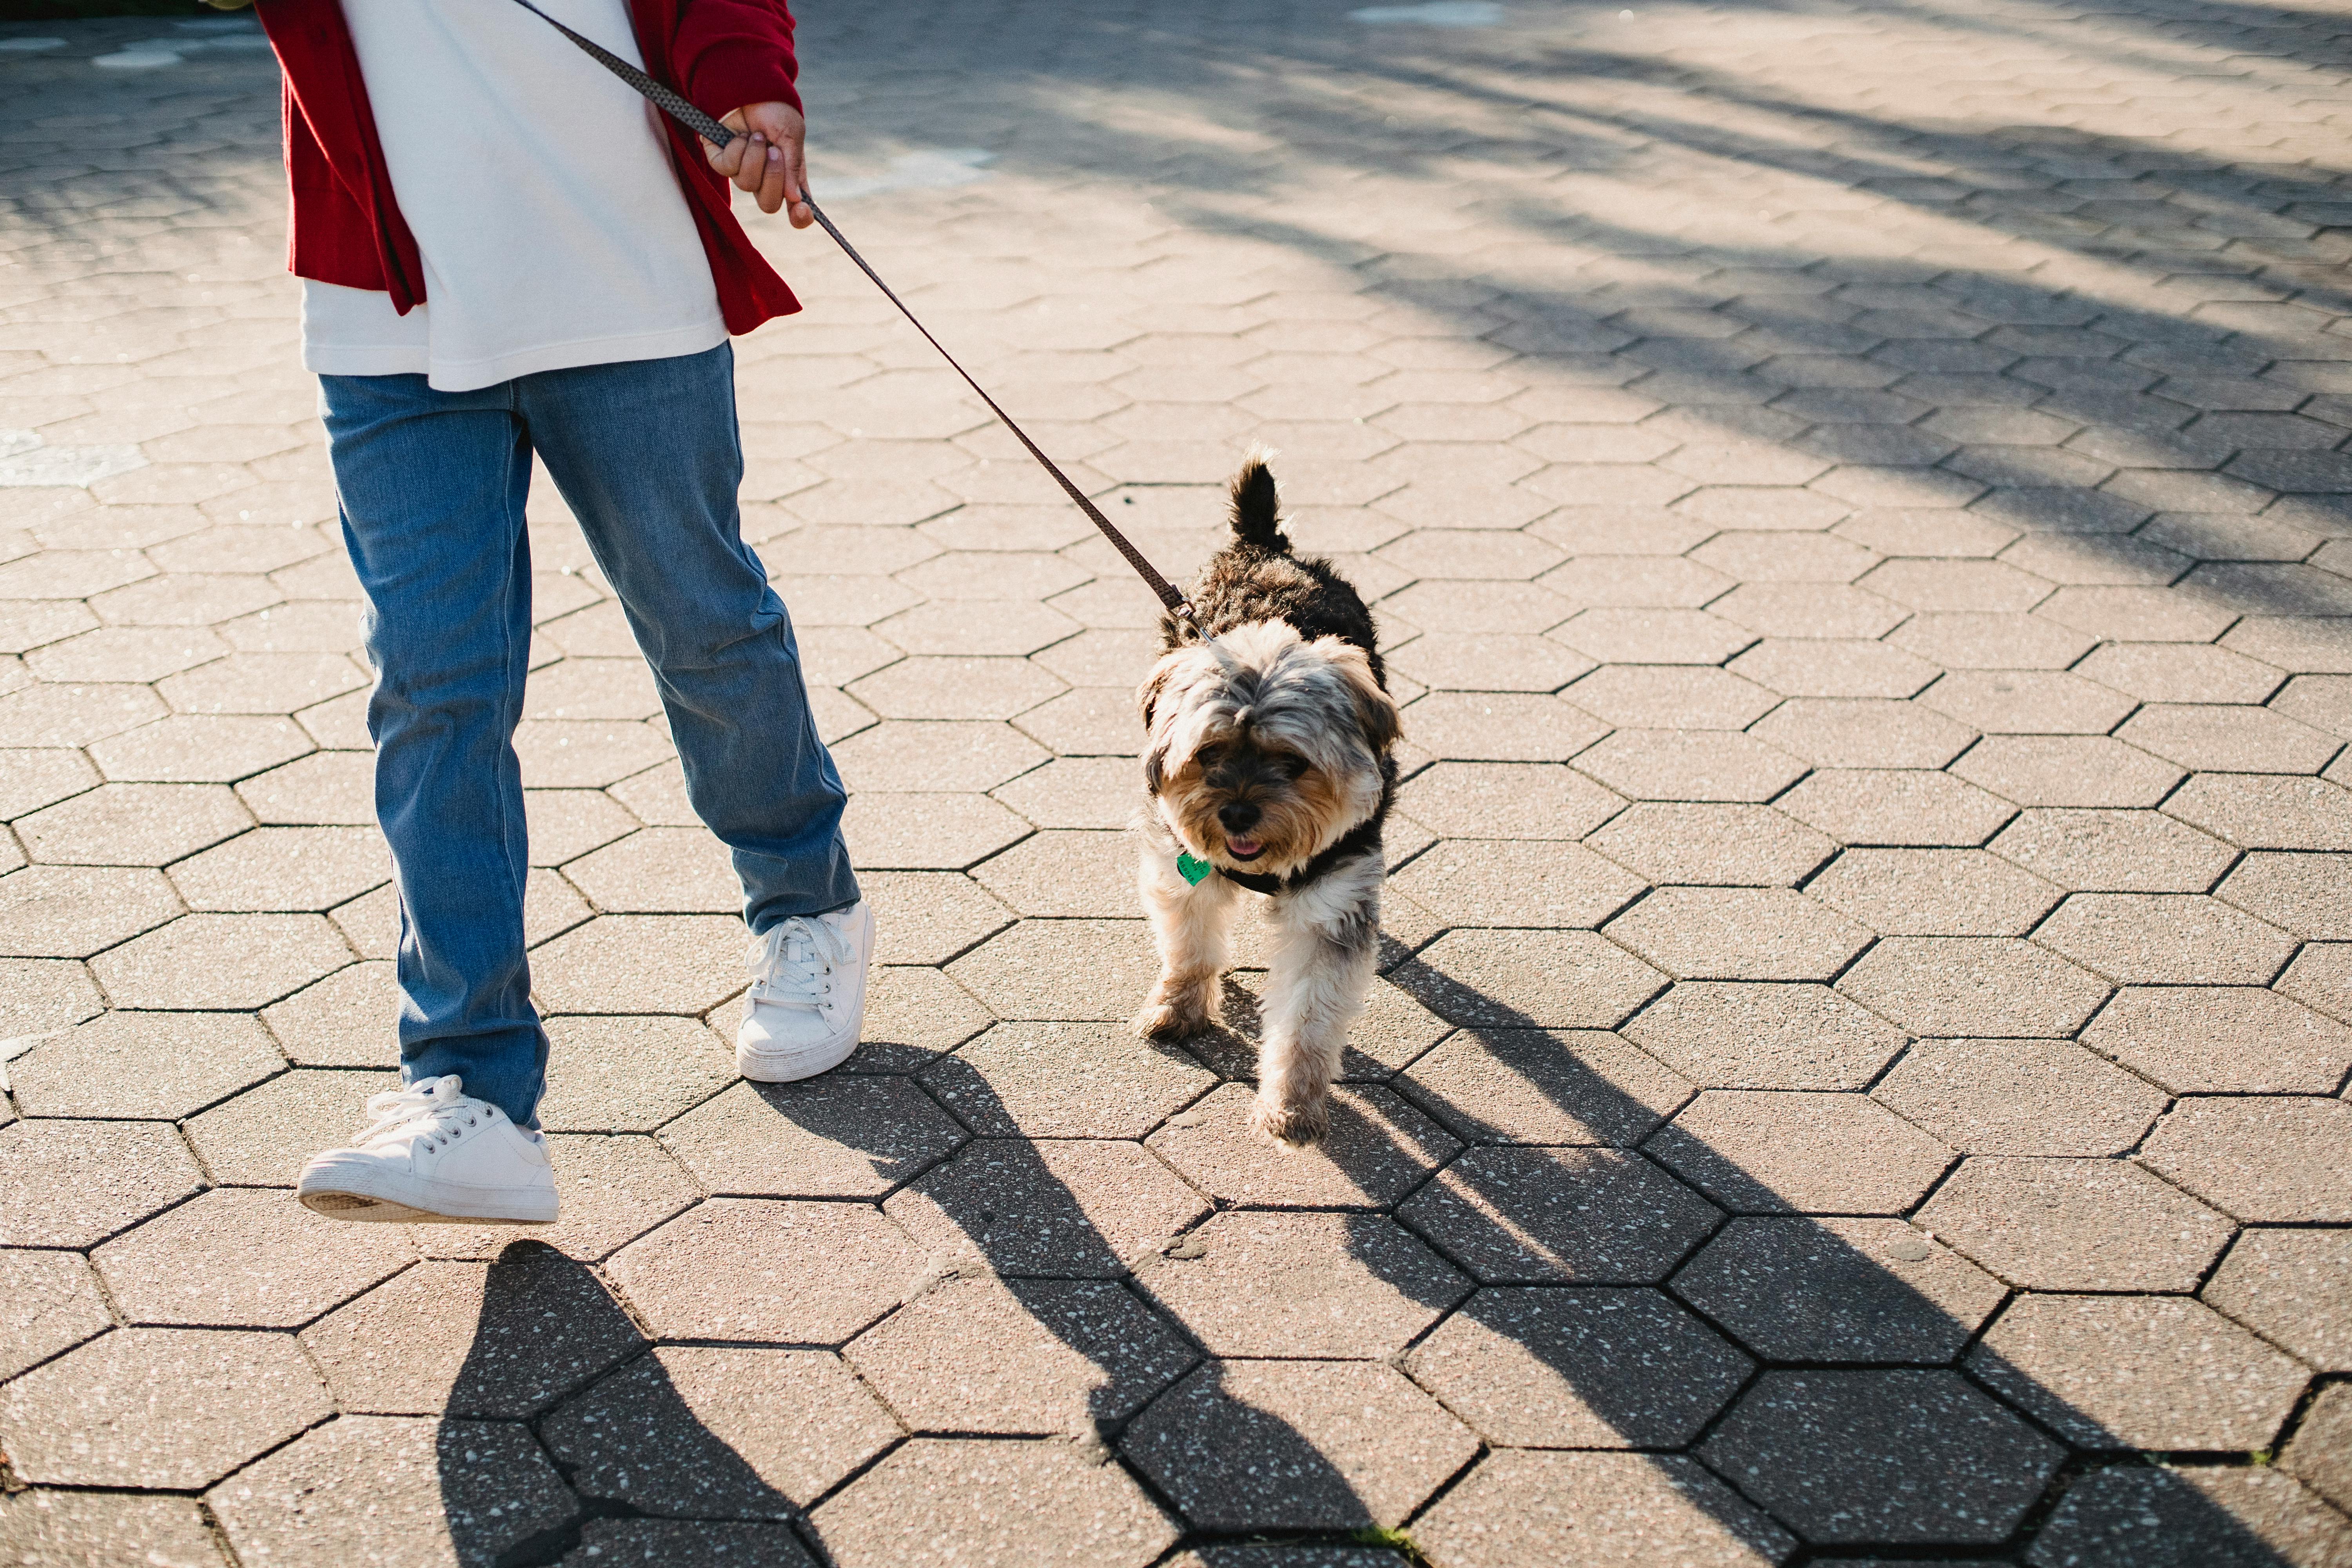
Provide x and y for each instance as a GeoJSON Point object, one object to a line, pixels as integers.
{"type": "Point", "coordinates": [1269, 757]}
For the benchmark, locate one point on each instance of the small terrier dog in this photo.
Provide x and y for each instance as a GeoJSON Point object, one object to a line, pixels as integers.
{"type": "Point", "coordinates": [1268, 766]}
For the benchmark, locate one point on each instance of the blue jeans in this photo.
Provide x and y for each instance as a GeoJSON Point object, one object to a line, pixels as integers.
{"type": "Point", "coordinates": [432, 487]}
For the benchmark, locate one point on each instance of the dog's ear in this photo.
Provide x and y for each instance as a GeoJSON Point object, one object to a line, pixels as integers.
{"type": "Point", "coordinates": [1147, 700]}
{"type": "Point", "coordinates": [1376, 711]}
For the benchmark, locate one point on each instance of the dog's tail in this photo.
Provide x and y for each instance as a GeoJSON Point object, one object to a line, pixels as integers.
{"type": "Point", "coordinates": [1257, 509]}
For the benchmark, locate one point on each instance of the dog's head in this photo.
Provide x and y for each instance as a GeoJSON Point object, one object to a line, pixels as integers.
{"type": "Point", "coordinates": [1264, 748]}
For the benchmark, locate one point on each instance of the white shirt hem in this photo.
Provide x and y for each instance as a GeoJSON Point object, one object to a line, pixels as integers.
{"type": "Point", "coordinates": [472, 375]}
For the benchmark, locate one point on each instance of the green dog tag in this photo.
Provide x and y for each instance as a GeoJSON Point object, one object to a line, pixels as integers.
{"type": "Point", "coordinates": [1191, 871]}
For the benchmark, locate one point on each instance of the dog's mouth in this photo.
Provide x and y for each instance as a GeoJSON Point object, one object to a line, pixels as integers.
{"type": "Point", "coordinates": [1244, 849]}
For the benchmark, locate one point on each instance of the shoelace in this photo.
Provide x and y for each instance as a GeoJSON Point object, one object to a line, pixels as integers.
{"type": "Point", "coordinates": [792, 964]}
{"type": "Point", "coordinates": [420, 1112]}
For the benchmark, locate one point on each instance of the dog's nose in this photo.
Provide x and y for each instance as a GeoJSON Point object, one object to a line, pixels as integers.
{"type": "Point", "coordinates": [1238, 817]}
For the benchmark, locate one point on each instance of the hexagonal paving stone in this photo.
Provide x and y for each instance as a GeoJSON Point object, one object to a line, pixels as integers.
{"type": "Point", "coordinates": [612, 1188]}
{"type": "Point", "coordinates": [2138, 1372]}
{"type": "Point", "coordinates": [1302, 1285]}
{"type": "Point", "coordinates": [660, 870]}
{"type": "Point", "coordinates": [2220, 738]}
{"type": "Point", "coordinates": [1525, 1085]}
{"type": "Point", "coordinates": [1973, 986]}
{"type": "Point", "coordinates": [240, 961]}
{"type": "Point", "coordinates": [936, 1502]}
{"type": "Point", "coordinates": [2021, 1097]}
{"type": "Point", "coordinates": [1845, 732]}
{"type": "Point", "coordinates": [263, 1137]}
{"type": "Point", "coordinates": [719, 1433]}
{"type": "Point", "coordinates": [1577, 1216]}
{"type": "Point", "coordinates": [1391, 1030]}
{"type": "Point", "coordinates": [174, 1408]}
{"type": "Point", "coordinates": [1504, 800]}
{"type": "Point", "coordinates": [2304, 894]}
{"type": "Point", "coordinates": [2028, 701]}
{"type": "Point", "coordinates": [2321, 976]}
{"type": "Point", "coordinates": [285, 868]}
{"type": "Point", "coordinates": [1379, 1149]}
{"type": "Point", "coordinates": [161, 1065]}
{"type": "Point", "coordinates": [1614, 636]}
{"type": "Point", "coordinates": [348, 1019]}
{"type": "Point", "coordinates": [1894, 1457]}
{"type": "Point", "coordinates": [1499, 727]}
{"type": "Point", "coordinates": [38, 996]}
{"type": "Point", "coordinates": [1802, 1152]}
{"type": "Point", "coordinates": [42, 1527]}
{"type": "Point", "coordinates": [502, 1340]}
{"type": "Point", "coordinates": [2289, 1284]}
{"type": "Point", "coordinates": [1798, 667]}
{"type": "Point", "coordinates": [1259, 1445]}
{"type": "Point", "coordinates": [1839, 1291]}
{"type": "Point", "coordinates": [1031, 1356]}
{"type": "Point", "coordinates": [650, 964]}
{"type": "Point", "coordinates": [2068, 770]}
{"type": "Point", "coordinates": [1064, 1080]}
{"type": "Point", "coordinates": [324, 789]}
{"type": "Point", "coordinates": [49, 1302]}
{"type": "Point", "coordinates": [742, 1268]}
{"type": "Point", "coordinates": [1090, 721]}
{"type": "Point", "coordinates": [1671, 697]}
{"type": "Point", "coordinates": [292, 1265]}
{"type": "Point", "coordinates": [1064, 874]}
{"type": "Point", "coordinates": [1522, 979]}
{"type": "Point", "coordinates": [834, 1137]}
{"type": "Point", "coordinates": [2113, 851]}
{"type": "Point", "coordinates": [74, 1183]}
{"type": "Point", "coordinates": [1934, 892]}
{"type": "Point", "coordinates": [73, 911]}
{"type": "Point", "coordinates": [628, 1075]}
{"type": "Point", "coordinates": [1052, 1208]}
{"type": "Point", "coordinates": [1898, 807]}
{"type": "Point", "coordinates": [1595, 1368]}
{"type": "Point", "coordinates": [2264, 811]}
{"type": "Point", "coordinates": [1739, 933]}
{"type": "Point", "coordinates": [1712, 845]}
{"type": "Point", "coordinates": [2161, 1515]}
{"type": "Point", "coordinates": [923, 918]}
{"type": "Point", "coordinates": [1489, 661]}
{"type": "Point", "coordinates": [2274, 1159]}
{"type": "Point", "coordinates": [2155, 939]}
{"type": "Point", "coordinates": [2076, 1224]}
{"type": "Point", "coordinates": [603, 1541]}
{"type": "Point", "coordinates": [454, 1491]}
{"type": "Point", "coordinates": [1506, 882]}
{"type": "Point", "coordinates": [2321, 1454]}
{"type": "Point", "coordinates": [1534, 1509]}
{"type": "Point", "coordinates": [2217, 1039]}
{"type": "Point", "coordinates": [1690, 765]}
{"type": "Point", "coordinates": [1097, 970]}
{"type": "Point", "coordinates": [1076, 792]}
{"type": "Point", "coordinates": [1737, 1036]}
{"type": "Point", "coordinates": [132, 825]}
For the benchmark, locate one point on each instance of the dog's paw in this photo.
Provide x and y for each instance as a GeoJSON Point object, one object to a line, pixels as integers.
{"type": "Point", "coordinates": [1296, 1123]}
{"type": "Point", "coordinates": [1173, 1020]}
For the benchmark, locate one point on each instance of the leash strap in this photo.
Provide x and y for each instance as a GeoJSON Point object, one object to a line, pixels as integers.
{"type": "Point", "coordinates": [718, 135]}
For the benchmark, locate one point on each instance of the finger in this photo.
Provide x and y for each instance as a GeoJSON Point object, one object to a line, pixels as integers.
{"type": "Point", "coordinates": [771, 189]}
{"type": "Point", "coordinates": [796, 185]}
{"type": "Point", "coordinates": [752, 172]}
{"type": "Point", "coordinates": [727, 159]}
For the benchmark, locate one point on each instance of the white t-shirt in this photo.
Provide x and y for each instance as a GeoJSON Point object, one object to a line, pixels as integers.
{"type": "Point", "coordinates": [540, 195]}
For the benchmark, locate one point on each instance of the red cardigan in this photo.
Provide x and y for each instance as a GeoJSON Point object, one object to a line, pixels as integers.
{"type": "Point", "coordinates": [347, 228]}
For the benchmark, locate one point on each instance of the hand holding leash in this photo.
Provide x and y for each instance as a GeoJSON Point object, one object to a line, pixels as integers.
{"type": "Point", "coordinates": [770, 162]}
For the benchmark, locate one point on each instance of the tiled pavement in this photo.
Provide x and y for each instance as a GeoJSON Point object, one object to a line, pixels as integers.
{"type": "Point", "coordinates": [1855, 498]}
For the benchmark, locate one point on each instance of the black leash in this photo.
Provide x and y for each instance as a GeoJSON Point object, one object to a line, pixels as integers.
{"type": "Point", "coordinates": [718, 135]}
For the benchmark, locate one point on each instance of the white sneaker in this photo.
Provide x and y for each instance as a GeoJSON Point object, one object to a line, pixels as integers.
{"type": "Point", "coordinates": [433, 1155]}
{"type": "Point", "coordinates": [808, 996]}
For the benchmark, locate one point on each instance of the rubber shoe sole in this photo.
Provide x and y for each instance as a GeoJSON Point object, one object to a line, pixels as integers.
{"type": "Point", "coordinates": [375, 1198]}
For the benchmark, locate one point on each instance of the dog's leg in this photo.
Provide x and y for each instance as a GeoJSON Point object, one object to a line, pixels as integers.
{"type": "Point", "coordinates": [1327, 938]}
{"type": "Point", "coordinates": [1188, 924]}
